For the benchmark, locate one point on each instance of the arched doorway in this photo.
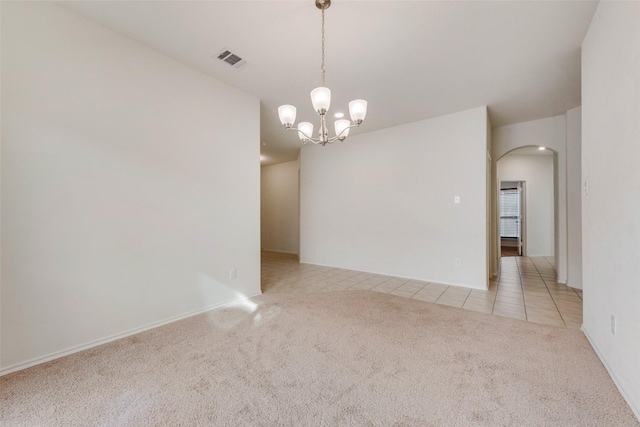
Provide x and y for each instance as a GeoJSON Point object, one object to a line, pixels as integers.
{"type": "Point", "coordinates": [550, 133]}
{"type": "Point", "coordinates": [526, 178]}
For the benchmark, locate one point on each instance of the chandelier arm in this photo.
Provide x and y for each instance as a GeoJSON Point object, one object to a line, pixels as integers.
{"type": "Point", "coordinates": [319, 140]}
{"type": "Point", "coordinates": [355, 125]}
{"type": "Point", "coordinates": [309, 138]}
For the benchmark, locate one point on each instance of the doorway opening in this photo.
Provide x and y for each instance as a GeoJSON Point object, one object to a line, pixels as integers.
{"type": "Point", "coordinates": [535, 172]}
{"type": "Point", "coordinates": [512, 216]}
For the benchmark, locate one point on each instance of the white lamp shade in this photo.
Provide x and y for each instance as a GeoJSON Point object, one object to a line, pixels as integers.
{"type": "Point", "coordinates": [358, 110]}
{"type": "Point", "coordinates": [341, 125]}
{"type": "Point", "coordinates": [307, 128]}
{"type": "Point", "coordinates": [321, 99]}
{"type": "Point", "coordinates": [287, 114]}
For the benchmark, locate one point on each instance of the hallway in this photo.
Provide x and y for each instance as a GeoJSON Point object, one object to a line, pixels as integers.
{"type": "Point", "coordinates": [525, 289]}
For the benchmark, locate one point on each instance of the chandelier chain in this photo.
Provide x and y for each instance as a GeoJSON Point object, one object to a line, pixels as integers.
{"type": "Point", "coordinates": [322, 66]}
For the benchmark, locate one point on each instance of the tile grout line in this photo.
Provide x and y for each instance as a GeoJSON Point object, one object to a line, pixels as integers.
{"type": "Point", "coordinates": [550, 294]}
{"type": "Point", "coordinates": [524, 303]}
{"type": "Point", "coordinates": [493, 306]}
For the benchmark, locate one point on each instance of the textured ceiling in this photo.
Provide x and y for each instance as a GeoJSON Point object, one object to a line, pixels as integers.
{"type": "Point", "coordinates": [410, 60]}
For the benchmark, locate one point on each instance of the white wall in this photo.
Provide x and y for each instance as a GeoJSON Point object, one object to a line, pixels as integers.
{"type": "Point", "coordinates": [574, 198]}
{"type": "Point", "coordinates": [611, 210]}
{"type": "Point", "coordinates": [130, 186]}
{"type": "Point", "coordinates": [280, 226]}
{"type": "Point", "coordinates": [537, 171]}
{"type": "Point", "coordinates": [551, 133]}
{"type": "Point", "coordinates": [384, 201]}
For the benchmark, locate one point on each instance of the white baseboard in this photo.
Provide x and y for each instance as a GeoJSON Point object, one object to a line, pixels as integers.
{"type": "Point", "coordinates": [58, 354]}
{"type": "Point", "coordinates": [480, 288]}
{"type": "Point", "coordinates": [634, 408]}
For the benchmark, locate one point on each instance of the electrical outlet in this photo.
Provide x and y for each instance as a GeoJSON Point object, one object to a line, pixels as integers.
{"type": "Point", "coordinates": [456, 199]}
{"type": "Point", "coordinates": [586, 188]}
{"type": "Point", "coordinates": [232, 273]}
{"type": "Point", "coordinates": [458, 262]}
{"type": "Point", "coordinates": [613, 324]}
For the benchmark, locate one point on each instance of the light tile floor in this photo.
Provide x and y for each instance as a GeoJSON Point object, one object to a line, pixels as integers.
{"type": "Point", "coordinates": [525, 289]}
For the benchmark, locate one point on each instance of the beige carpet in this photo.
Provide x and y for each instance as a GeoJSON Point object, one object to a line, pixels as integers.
{"type": "Point", "coordinates": [331, 358]}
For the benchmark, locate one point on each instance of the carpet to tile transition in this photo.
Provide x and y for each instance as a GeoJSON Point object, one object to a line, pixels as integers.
{"type": "Point", "coordinates": [330, 358]}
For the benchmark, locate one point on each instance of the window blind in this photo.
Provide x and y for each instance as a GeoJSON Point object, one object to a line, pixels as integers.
{"type": "Point", "coordinates": [510, 212]}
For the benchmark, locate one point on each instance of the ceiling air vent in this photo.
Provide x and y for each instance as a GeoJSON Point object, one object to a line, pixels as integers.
{"type": "Point", "coordinates": [231, 58]}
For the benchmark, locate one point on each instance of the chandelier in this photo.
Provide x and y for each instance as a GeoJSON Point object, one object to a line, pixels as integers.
{"type": "Point", "coordinates": [321, 100]}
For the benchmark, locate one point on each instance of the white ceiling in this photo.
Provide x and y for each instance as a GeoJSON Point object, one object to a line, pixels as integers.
{"type": "Point", "coordinates": [409, 59]}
